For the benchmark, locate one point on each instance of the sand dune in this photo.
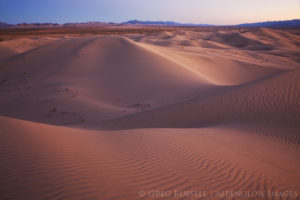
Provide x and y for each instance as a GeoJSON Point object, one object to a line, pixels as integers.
{"type": "Point", "coordinates": [208, 53]}
{"type": "Point", "coordinates": [203, 114]}
{"type": "Point", "coordinates": [84, 71]}
{"type": "Point", "coordinates": [57, 162]}
{"type": "Point", "coordinates": [13, 47]}
{"type": "Point", "coordinates": [271, 100]}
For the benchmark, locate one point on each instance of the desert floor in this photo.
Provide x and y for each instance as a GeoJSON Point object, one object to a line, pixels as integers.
{"type": "Point", "coordinates": [175, 114]}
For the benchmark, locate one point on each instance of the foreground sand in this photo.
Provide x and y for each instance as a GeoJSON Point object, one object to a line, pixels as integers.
{"type": "Point", "coordinates": [170, 115]}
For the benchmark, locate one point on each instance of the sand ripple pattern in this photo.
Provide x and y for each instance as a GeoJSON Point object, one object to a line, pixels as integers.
{"type": "Point", "coordinates": [137, 164]}
{"type": "Point", "coordinates": [270, 102]}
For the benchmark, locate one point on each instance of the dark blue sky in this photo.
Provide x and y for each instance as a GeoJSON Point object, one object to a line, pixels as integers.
{"type": "Point", "coordinates": [220, 12]}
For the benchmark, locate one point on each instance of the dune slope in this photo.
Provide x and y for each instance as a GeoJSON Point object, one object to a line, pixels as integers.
{"type": "Point", "coordinates": [46, 162]}
{"type": "Point", "coordinates": [273, 101]}
{"type": "Point", "coordinates": [91, 78]}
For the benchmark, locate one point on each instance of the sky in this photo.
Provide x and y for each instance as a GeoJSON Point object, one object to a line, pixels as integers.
{"type": "Point", "coordinates": [217, 12]}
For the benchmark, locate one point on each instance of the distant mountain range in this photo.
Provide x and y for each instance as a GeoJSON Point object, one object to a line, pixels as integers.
{"type": "Point", "coordinates": [274, 24]}
{"type": "Point", "coordinates": [162, 23]}
{"type": "Point", "coordinates": [53, 25]}
{"type": "Point", "coordinates": [271, 24]}
{"type": "Point", "coordinates": [4, 25]}
{"type": "Point", "coordinates": [87, 24]}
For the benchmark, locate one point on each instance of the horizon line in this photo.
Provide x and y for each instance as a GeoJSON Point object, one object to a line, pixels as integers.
{"type": "Point", "coordinates": [154, 21]}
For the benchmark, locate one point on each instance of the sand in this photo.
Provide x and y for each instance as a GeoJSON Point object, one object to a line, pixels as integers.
{"type": "Point", "coordinates": [171, 115]}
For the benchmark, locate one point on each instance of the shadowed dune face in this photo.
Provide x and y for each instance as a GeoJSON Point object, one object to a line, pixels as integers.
{"type": "Point", "coordinates": [109, 74]}
{"type": "Point", "coordinates": [143, 116]}
{"type": "Point", "coordinates": [274, 100]}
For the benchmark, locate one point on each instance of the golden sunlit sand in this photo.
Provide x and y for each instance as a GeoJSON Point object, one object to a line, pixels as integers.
{"type": "Point", "coordinates": [174, 114]}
